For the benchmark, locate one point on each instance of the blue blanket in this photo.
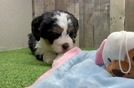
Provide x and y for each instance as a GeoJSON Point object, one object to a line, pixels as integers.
{"type": "Point", "coordinates": [82, 72]}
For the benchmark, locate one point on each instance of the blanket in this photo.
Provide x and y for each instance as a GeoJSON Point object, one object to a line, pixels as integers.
{"type": "Point", "coordinates": [77, 69]}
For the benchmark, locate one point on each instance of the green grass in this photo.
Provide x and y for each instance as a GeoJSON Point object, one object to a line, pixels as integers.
{"type": "Point", "coordinates": [19, 68]}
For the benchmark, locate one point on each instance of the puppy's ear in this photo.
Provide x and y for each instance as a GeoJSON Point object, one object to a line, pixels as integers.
{"type": "Point", "coordinates": [35, 25]}
{"type": "Point", "coordinates": [75, 25]}
{"type": "Point", "coordinates": [75, 22]}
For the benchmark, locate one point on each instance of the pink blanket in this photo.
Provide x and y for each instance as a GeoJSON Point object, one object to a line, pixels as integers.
{"type": "Point", "coordinates": [63, 59]}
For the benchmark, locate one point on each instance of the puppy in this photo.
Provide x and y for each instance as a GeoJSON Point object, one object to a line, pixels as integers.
{"type": "Point", "coordinates": [53, 33]}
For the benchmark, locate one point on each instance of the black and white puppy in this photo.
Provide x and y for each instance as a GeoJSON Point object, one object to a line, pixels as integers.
{"type": "Point", "coordinates": [53, 33]}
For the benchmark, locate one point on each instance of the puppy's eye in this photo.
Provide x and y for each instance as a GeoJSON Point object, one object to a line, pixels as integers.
{"type": "Point", "coordinates": [71, 34]}
{"type": "Point", "coordinates": [53, 35]}
{"type": "Point", "coordinates": [56, 34]}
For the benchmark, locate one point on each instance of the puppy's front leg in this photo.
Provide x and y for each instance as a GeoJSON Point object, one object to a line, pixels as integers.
{"type": "Point", "coordinates": [49, 57]}
{"type": "Point", "coordinates": [55, 61]}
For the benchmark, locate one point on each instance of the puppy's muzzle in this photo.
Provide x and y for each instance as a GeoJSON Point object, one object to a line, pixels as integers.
{"type": "Point", "coordinates": [65, 46]}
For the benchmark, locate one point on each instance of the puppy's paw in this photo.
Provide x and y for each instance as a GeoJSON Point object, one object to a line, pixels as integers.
{"type": "Point", "coordinates": [56, 60]}
{"type": "Point", "coordinates": [49, 57]}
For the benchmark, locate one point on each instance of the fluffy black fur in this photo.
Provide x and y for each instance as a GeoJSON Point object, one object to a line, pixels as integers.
{"type": "Point", "coordinates": [32, 44]}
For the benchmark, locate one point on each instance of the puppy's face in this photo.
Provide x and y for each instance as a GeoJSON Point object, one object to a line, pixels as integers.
{"type": "Point", "coordinates": [59, 29]}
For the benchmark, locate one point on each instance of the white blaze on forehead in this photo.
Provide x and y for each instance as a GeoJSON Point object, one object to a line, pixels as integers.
{"type": "Point", "coordinates": [62, 21]}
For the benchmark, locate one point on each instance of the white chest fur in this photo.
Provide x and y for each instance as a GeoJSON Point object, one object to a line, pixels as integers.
{"type": "Point", "coordinates": [43, 47]}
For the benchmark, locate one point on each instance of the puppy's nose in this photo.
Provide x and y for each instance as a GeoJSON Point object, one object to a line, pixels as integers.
{"type": "Point", "coordinates": [65, 46]}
